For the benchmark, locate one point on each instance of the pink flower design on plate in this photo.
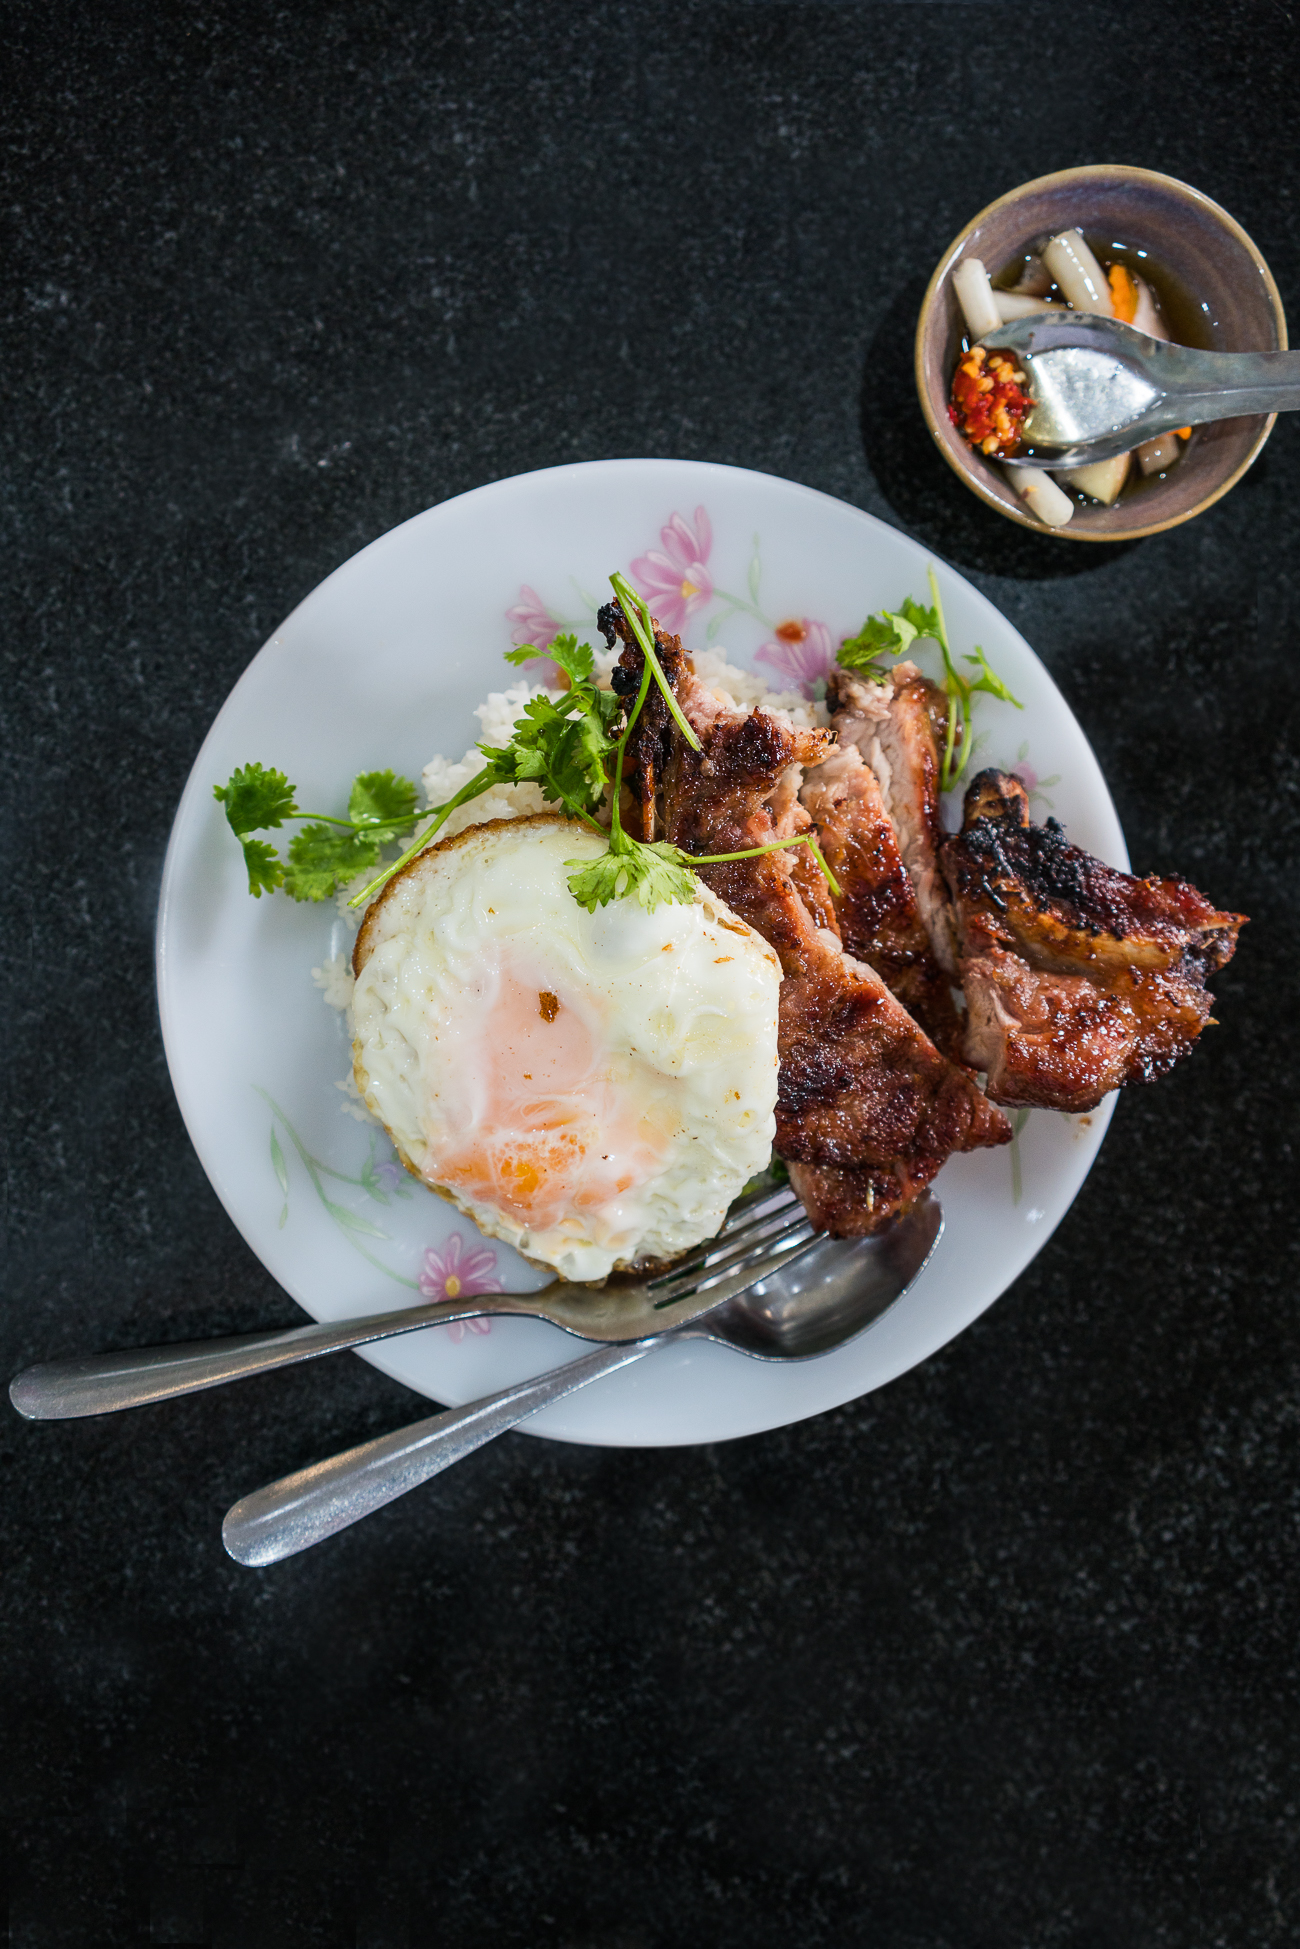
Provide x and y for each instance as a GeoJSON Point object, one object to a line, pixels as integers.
{"type": "Point", "coordinates": [533, 622]}
{"type": "Point", "coordinates": [534, 625]}
{"type": "Point", "coordinates": [675, 582]}
{"type": "Point", "coordinates": [1029, 778]}
{"type": "Point", "coordinates": [457, 1272]}
{"type": "Point", "coordinates": [803, 654]}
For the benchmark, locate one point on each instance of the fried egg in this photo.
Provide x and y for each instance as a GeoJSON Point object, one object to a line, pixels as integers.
{"type": "Point", "coordinates": [592, 1088]}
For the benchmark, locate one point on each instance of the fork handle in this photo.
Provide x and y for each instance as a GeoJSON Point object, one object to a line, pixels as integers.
{"type": "Point", "coordinates": [101, 1383]}
{"type": "Point", "coordinates": [303, 1508]}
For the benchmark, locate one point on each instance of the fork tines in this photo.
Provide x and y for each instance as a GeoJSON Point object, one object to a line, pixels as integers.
{"type": "Point", "coordinates": [771, 1226]}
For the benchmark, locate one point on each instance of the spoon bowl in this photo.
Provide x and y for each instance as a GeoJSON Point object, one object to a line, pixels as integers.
{"type": "Point", "coordinates": [830, 1294]}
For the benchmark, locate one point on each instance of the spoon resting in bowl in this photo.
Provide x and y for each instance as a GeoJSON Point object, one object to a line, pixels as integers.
{"type": "Point", "coordinates": [1099, 388]}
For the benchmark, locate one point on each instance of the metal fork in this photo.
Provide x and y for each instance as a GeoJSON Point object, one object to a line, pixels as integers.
{"type": "Point", "coordinates": [765, 1229]}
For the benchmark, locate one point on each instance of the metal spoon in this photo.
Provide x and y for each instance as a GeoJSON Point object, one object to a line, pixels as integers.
{"type": "Point", "coordinates": [1100, 388]}
{"type": "Point", "coordinates": [767, 1223]}
{"type": "Point", "coordinates": [830, 1294]}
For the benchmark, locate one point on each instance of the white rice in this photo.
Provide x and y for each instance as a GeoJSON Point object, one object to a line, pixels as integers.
{"type": "Point", "coordinates": [334, 979]}
{"type": "Point", "coordinates": [748, 691]}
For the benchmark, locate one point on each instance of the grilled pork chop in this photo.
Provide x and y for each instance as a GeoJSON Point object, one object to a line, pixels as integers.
{"type": "Point", "coordinates": [867, 1108]}
{"type": "Point", "coordinates": [892, 727]}
{"type": "Point", "coordinates": [886, 745]}
{"type": "Point", "coordinates": [1078, 978]}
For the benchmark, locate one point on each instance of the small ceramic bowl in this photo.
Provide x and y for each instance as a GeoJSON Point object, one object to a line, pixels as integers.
{"type": "Point", "coordinates": [1210, 256]}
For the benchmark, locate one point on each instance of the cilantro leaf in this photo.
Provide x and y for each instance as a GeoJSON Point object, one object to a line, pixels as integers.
{"type": "Point", "coordinates": [573, 657]}
{"type": "Point", "coordinates": [330, 850]}
{"type": "Point", "coordinates": [577, 760]}
{"type": "Point", "coordinates": [883, 635]}
{"type": "Point", "coordinates": [990, 680]}
{"type": "Point", "coordinates": [255, 798]}
{"type": "Point", "coordinates": [892, 632]}
{"type": "Point", "coordinates": [322, 857]}
{"type": "Point", "coordinates": [480, 783]}
{"type": "Point", "coordinates": [657, 873]}
{"type": "Point", "coordinates": [265, 872]}
{"type": "Point", "coordinates": [562, 747]}
{"type": "Point", "coordinates": [924, 622]}
{"type": "Point", "coordinates": [382, 798]}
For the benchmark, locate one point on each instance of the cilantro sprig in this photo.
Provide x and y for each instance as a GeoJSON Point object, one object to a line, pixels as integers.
{"type": "Point", "coordinates": [657, 872]}
{"type": "Point", "coordinates": [892, 633]}
{"type": "Point", "coordinates": [328, 851]}
{"type": "Point", "coordinates": [572, 748]}
{"type": "Point", "coordinates": [563, 748]}
{"type": "Point", "coordinates": [574, 751]}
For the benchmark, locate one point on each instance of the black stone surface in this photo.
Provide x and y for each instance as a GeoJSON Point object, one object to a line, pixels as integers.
{"type": "Point", "coordinates": [1003, 1655]}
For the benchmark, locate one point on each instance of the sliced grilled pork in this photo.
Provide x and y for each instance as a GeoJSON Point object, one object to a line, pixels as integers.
{"type": "Point", "coordinates": [867, 1107]}
{"type": "Point", "coordinates": [1078, 978]}
{"type": "Point", "coordinates": [853, 1204]}
{"type": "Point", "coordinates": [876, 914]}
{"type": "Point", "coordinates": [892, 726]}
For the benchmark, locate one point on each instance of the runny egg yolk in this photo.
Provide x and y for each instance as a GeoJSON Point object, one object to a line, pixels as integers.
{"type": "Point", "coordinates": [536, 1120]}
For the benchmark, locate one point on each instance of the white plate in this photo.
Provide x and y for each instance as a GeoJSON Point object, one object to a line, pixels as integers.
{"type": "Point", "coordinates": [382, 665]}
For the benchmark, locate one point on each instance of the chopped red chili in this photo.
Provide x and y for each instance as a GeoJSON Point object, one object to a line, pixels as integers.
{"type": "Point", "coordinates": [989, 405]}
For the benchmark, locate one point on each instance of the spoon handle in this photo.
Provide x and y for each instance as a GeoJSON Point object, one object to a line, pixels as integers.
{"type": "Point", "coordinates": [100, 1383]}
{"type": "Point", "coordinates": [303, 1508]}
{"type": "Point", "coordinates": [1230, 385]}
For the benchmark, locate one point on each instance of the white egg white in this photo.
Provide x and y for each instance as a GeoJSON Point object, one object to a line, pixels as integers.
{"type": "Point", "coordinates": [593, 1088]}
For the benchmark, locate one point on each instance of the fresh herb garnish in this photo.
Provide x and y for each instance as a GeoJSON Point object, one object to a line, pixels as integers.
{"type": "Point", "coordinates": [665, 874]}
{"type": "Point", "coordinates": [891, 634]}
{"type": "Point", "coordinates": [652, 870]}
{"type": "Point", "coordinates": [328, 852]}
{"type": "Point", "coordinates": [563, 748]}
{"type": "Point", "coordinates": [888, 634]}
{"type": "Point", "coordinates": [566, 748]}
{"type": "Point", "coordinates": [572, 749]}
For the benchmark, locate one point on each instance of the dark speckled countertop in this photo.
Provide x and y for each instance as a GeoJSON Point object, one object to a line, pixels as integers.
{"type": "Point", "coordinates": [1003, 1657]}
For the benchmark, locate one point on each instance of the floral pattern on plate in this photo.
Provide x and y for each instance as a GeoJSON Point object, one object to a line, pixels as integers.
{"type": "Point", "coordinates": [675, 580]}
{"type": "Point", "coordinates": [461, 1269]}
{"type": "Point", "coordinates": [802, 657]}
